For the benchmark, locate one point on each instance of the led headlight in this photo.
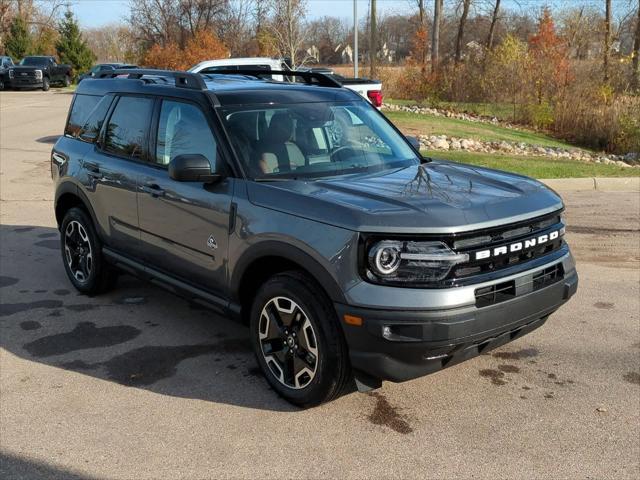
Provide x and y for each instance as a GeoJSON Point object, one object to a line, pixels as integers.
{"type": "Point", "coordinates": [12, 73]}
{"type": "Point", "coordinates": [38, 74]}
{"type": "Point", "coordinates": [396, 261]}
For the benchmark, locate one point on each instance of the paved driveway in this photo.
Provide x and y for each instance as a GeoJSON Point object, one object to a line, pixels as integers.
{"type": "Point", "coordinates": [140, 384]}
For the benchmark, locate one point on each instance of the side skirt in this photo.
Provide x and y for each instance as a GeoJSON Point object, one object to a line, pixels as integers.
{"type": "Point", "coordinates": [202, 297]}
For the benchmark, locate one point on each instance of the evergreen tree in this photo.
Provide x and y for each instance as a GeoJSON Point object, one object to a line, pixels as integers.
{"type": "Point", "coordinates": [18, 43]}
{"type": "Point", "coordinates": [71, 47]}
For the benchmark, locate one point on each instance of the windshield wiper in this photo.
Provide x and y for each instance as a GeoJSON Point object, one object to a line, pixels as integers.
{"type": "Point", "coordinates": [274, 179]}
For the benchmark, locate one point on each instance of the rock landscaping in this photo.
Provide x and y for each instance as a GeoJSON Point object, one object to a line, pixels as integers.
{"type": "Point", "coordinates": [444, 142]}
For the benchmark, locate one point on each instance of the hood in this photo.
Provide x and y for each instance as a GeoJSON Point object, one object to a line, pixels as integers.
{"type": "Point", "coordinates": [437, 197]}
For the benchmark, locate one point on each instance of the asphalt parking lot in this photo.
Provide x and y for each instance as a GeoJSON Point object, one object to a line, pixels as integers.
{"type": "Point", "coordinates": [141, 384]}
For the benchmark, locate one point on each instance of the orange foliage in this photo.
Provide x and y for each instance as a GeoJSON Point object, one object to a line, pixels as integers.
{"type": "Point", "coordinates": [419, 50]}
{"type": "Point", "coordinates": [550, 65]}
{"type": "Point", "coordinates": [202, 46]}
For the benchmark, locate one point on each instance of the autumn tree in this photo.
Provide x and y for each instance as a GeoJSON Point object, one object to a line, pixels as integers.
{"type": "Point", "coordinates": [204, 45]}
{"type": "Point", "coordinates": [549, 65]}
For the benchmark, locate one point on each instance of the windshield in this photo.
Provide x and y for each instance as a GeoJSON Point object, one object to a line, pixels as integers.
{"type": "Point", "coordinates": [34, 61]}
{"type": "Point", "coordinates": [314, 140]}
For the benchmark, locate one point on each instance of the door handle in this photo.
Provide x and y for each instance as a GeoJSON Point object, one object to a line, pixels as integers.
{"type": "Point", "coordinates": [93, 170]}
{"type": "Point", "coordinates": [153, 189]}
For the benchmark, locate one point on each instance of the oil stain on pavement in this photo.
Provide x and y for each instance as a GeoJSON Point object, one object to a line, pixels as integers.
{"type": "Point", "coordinates": [604, 305]}
{"type": "Point", "coordinates": [632, 377]}
{"type": "Point", "coordinates": [496, 376]}
{"type": "Point", "coordinates": [50, 244]}
{"type": "Point", "coordinates": [84, 336]}
{"type": "Point", "coordinates": [386, 415]}
{"type": "Point", "coordinates": [517, 355]}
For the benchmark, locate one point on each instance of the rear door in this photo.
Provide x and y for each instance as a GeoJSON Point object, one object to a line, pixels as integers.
{"type": "Point", "coordinates": [185, 225]}
{"type": "Point", "coordinates": [112, 169]}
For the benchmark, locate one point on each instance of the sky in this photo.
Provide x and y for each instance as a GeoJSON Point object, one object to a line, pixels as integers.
{"type": "Point", "coordinates": [94, 13]}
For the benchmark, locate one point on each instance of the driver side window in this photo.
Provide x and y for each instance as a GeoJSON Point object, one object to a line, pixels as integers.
{"type": "Point", "coordinates": [183, 129]}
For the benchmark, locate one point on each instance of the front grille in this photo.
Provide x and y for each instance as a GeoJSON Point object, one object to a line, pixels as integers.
{"type": "Point", "coordinates": [506, 236]}
{"type": "Point", "coordinates": [501, 292]}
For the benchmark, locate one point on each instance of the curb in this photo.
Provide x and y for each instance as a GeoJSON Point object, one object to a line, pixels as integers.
{"type": "Point", "coordinates": [602, 184]}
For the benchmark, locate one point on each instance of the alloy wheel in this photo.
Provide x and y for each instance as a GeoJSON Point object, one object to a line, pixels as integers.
{"type": "Point", "coordinates": [77, 251]}
{"type": "Point", "coordinates": [288, 342]}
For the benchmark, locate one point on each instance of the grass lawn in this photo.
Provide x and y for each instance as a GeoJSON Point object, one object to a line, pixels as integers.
{"type": "Point", "coordinates": [537, 167]}
{"type": "Point", "coordinates": [413, 124]}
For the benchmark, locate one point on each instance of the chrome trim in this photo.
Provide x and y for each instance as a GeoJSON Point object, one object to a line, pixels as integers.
{"type": "Point", "coordinates": [424, 257]}
{"type": "Point", "coordinates": [58, 159]}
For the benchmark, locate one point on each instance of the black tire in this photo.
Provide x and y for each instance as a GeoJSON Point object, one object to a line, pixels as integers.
{"type": "Point", "coordinates": [332, 372]}
{"type": "Point", "coordinates": [67, 81]}
{"type": "Point", "coordinates": [45, 84]}
{"type": "Point", "coordinates": [98, 276]}
{"type": "Point", "coordinates": [1, 84]}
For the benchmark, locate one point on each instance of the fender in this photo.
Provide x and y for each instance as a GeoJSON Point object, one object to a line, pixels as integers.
{"type": "Point", "coordinates": [68, 186]}
{"type": "Point", "coordinates": [270, 248]}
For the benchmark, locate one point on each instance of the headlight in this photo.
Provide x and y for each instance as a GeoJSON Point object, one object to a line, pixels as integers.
{"type": "Point", "coordinates": [11, 73]}
{"type": "Point", "coordinates": [396, 261]}
{"type": "Point", "coordinates": [38, 74]}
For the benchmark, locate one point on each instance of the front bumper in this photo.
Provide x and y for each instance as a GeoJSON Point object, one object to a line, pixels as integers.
{"type": "Point", "coordinates": [400, 344]}
{"type": "Point", "coordinates": [26, 82]}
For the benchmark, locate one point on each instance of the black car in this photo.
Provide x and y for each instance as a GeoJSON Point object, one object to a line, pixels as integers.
{"type": "Point", "coordinates": [302, 210]}
{"type": "Point", "coordinates": [40, 72]}
{"type": "Point", "coordinates": [96, 70]}
{"type": "Point", "coordinates": [5, 64]}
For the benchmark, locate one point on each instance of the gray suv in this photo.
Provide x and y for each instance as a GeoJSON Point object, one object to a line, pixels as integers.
{"type": "Point", "coordinates": [300, 209]}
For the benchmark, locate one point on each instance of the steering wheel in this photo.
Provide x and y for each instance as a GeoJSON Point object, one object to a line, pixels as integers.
{"type": "Point", "coordinates": [338, 153]}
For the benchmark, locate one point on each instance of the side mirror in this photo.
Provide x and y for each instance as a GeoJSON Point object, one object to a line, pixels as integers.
{"type": "Point", "coordinates": [192, 168]}
{"type": "Point", "coordinates": [415, 143]}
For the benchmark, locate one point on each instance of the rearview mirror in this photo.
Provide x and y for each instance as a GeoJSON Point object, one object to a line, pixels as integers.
{"type": "Point", "coordinates": [192, 168]}
{"type": "Point", "coordinates": [415, 143]}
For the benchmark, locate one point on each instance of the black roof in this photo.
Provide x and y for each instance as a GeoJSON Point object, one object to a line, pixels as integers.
{"type": "Point", "coordinates": [225, 89]}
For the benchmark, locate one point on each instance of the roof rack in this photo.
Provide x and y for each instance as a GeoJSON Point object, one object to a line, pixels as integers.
{"type": "Point", "coordinates": [193, 81]}
{"type": "Point", "coordinates": [321, 79]}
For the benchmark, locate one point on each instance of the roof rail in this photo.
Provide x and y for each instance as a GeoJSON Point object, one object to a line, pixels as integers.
{"type": "Point", "coordinates": [193, 81]}
{"type": "Point", "coordinates": [321, 79]}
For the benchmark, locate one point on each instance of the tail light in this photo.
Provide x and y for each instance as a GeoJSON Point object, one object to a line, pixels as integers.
{"type": "Point", "coordinates": [375, 97]}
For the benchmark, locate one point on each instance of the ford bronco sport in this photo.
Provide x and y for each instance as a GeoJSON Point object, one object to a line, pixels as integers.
{"type": "Point", "coordinates": [301, 209]}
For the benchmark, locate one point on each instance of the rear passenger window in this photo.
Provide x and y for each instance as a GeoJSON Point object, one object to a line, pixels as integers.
{"type": "Point", "coordinates": [89, 132]}
{"type": "Point", "coordinates": [183, 129]}
{"type": "Point", "coordinates": [126, 132]}
{"type": "Point", "coordinates": [80, 110]}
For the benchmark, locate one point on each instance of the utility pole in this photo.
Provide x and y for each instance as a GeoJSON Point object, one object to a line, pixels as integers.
{"type": "Point", "coordinates": [607, 39]}
{"type": "Point", "coordinates": [355, 38]}
{"type": "Point", "coordinates": [373, 44]}
{"type": "Point", "coordinates": [435, 35]}
{"type": "Point", "coordinates": [635, 69]}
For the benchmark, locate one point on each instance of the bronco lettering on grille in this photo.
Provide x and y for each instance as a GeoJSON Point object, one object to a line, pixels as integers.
{"type": "Point", "coordinates": [517, 246]}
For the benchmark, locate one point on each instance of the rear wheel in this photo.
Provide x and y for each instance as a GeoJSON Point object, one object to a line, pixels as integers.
{"type": "Point", "coordinates": [45, 84]}
{"type": "Point", "coordinates": [82, 254]}
{"type": "Point", "coordinates": [297, 340]}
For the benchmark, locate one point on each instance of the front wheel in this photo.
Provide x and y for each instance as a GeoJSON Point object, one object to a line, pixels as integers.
{"type": "Point", "coordinates": [297, 340]}
{"type": "Point", "coordinates": [82, 254]}
{"type": "Point", "coordinates": [67, 81]}
{"type": "Point", "coordinates": [45, 84]}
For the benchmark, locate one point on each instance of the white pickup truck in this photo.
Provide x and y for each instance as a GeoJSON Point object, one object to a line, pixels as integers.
{"type": "Point", "coordinates": [369, 89]}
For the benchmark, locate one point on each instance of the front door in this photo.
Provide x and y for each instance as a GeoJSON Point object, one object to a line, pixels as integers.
{"type": "Point", "coordinates": [184, 226]}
